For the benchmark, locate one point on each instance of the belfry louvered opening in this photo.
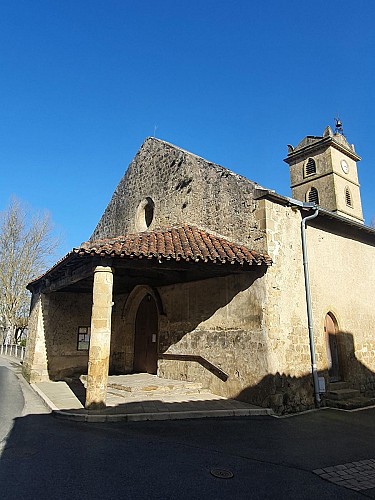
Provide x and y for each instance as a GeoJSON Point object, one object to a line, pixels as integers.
{"type": "Point", "coordinates": [313, 196]}
{"type": "Point", "coordinates": [348, 198]}
{"type": "Point", "coordinates": [310, 167]}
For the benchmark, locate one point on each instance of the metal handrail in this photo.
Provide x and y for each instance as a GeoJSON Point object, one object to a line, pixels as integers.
{"type": "Point", "coordinates": [14, 350]}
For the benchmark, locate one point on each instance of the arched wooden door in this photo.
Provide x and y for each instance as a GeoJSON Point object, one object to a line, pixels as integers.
{"type": "Point", "coordinates": [146, 336]}
{"type": "Point", "coordinates": [332, 348]}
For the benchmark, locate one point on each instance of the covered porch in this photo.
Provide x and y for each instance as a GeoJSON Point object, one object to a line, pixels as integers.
{"type": "Point", "coordinates": [105, 309]}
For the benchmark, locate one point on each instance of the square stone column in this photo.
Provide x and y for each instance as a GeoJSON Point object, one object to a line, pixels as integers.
{"type": "Point", "coordinates": [35, 364]}
{"type": "Point", "coordinates": [100, 340]}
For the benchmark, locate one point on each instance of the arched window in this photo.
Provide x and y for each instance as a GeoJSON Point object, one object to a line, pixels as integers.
{"type": "Point", "coordinates": [144, 214]}
{"type": "Point", "coordinates": [312, 196]}
{"type": "Point", "coordinates": [310, 167]}
{"type": "Point", "coordinates": [348, 198]}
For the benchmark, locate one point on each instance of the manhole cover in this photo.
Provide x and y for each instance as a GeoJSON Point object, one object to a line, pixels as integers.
{"type": "Point", "coordinates": [222, 473]}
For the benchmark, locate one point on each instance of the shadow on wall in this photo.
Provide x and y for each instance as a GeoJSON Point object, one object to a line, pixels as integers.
{"type": "Point", "coordinates": [206, 299]}
{"type": "Point", "coordinates": [215, 321]}
{"type": "Point", "coordinates": [63, 313]}
{"type": "Point", "coordinates": [287, 394]}
{"type": "Point", "coordinates": [284, 393]}
{"type": "Point", "coordinates": [183, 310]}
{"type": "Point", "coordinates": [209, 296]}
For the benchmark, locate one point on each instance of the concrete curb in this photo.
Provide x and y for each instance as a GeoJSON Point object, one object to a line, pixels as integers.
{"type": "Point", "coordinates": [137, 417]}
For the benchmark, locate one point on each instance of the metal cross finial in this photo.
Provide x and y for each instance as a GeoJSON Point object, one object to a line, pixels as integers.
{"type": "Point", "coordinates": [338, 126]}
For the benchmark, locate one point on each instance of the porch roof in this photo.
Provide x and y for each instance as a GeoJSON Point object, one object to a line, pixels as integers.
{"type": "Point", "coordinates": [177, 243]}
{"type": "Point", "coordinates": [158, 257]}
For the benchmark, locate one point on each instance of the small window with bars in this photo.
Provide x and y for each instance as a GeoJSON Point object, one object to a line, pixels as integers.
{"type": "Point", "coordinates": [348, 198]}
{"type": "Point", "coordinates": [312, 196]}
{"type": "Point", "coordinates": [83, 339]}
{"type": "Point", "coordinates": [310, 167]}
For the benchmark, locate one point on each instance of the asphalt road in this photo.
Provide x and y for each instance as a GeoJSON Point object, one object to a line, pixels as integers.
{"type": "Point", "coordinates": [11, 400]}
{"type": "Point", "coordinates": [47, 458]}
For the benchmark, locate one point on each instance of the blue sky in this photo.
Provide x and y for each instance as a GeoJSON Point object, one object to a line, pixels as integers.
{"type": "Point", "coordinates": [83, 83]}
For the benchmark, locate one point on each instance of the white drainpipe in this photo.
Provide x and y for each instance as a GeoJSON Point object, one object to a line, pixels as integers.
{"type": "Point", "coordinates": [309, 307]}
{"type": "Point", "coordinates": [314, 371]}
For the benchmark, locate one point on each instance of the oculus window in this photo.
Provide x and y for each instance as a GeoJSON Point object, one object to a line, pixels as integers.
{"type": "Point", "coordinates": [144, 214]}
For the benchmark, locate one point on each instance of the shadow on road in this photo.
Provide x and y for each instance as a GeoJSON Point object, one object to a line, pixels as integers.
{"type": "Point", "coordinates": [271, 458]}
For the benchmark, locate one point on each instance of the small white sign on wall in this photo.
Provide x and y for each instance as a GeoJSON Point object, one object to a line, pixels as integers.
{"type": "Point", "coordinates": [322, 385]}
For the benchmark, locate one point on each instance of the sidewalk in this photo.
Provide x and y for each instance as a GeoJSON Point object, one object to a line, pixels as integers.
{"type": "Point", "coordinates": [142, 397]}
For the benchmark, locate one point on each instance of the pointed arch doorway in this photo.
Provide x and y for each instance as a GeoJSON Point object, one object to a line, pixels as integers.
{"type": "Point", "coordinates": [330, 328]}
{"type": "Point", "coordinates": [146, 336]}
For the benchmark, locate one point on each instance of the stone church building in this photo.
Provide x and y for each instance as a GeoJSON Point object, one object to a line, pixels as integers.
{"type": "Point", "coordinates": [196, 273]}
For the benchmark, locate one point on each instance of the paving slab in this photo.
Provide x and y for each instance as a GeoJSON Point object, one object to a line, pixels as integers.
{"type": "Point", "coordinates": [357, 476]}
{"type": "Point", "coordinates": [59, 394]}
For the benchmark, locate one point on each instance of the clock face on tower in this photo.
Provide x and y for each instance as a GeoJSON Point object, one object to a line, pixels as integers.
{"type": "Point", "coordinates": [344, 166]}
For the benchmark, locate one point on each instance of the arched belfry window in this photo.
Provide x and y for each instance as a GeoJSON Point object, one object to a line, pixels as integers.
{"type": "Point", "coordinates": [348, 198]}
{"type": "Point", "coordinates": [312, 196]}
{"type": "Point", "coordinates": [310, 167]}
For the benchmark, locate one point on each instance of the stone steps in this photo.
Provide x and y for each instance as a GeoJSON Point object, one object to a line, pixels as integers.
{"type": "Point", "coordinates": [350, 404]}
{"type": "Point", "coordinates": [338, 385]}
{"type": "Point", "coordinates": [342, 394]}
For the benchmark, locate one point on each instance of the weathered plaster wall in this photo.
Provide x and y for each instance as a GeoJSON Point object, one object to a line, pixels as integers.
{"type": "Point", "coordinates": [343, 283]}
{"type": "Point", "coordinates": [288, 382]}
{"type": "Point", "coordinates": [221, 320]}
{"type": "Point", "coordinates": [184, 189]}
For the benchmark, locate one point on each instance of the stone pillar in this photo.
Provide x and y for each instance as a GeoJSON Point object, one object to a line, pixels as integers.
{"type": "Point", "coordinates": [35, 364]}
{"type": "Point", "coordinates": [100, 340]}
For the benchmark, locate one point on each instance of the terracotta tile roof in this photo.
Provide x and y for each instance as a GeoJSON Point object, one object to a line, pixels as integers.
{"type": "Point", "coordinates": [176, 243]}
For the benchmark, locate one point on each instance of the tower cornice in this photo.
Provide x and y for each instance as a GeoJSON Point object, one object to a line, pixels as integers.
{"type": "Point", "coordinates": [321, 144]}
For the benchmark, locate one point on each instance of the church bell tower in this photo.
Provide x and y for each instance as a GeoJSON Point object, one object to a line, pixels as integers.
{"type": "Point", "coordinates": [323, 170]}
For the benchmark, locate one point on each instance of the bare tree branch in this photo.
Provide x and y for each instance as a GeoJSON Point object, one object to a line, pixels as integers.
{"type": "Point", "coordinates": [26, 244]}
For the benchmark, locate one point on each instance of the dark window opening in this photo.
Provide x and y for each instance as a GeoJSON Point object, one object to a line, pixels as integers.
{"type": "Point", "coordinates": [144, 214]}
{"type": "Point", "coordinates": [149, 212]}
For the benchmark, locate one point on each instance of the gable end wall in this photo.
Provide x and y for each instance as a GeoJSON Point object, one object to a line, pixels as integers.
{"type": "Point", "coordinates": [185, 189]}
